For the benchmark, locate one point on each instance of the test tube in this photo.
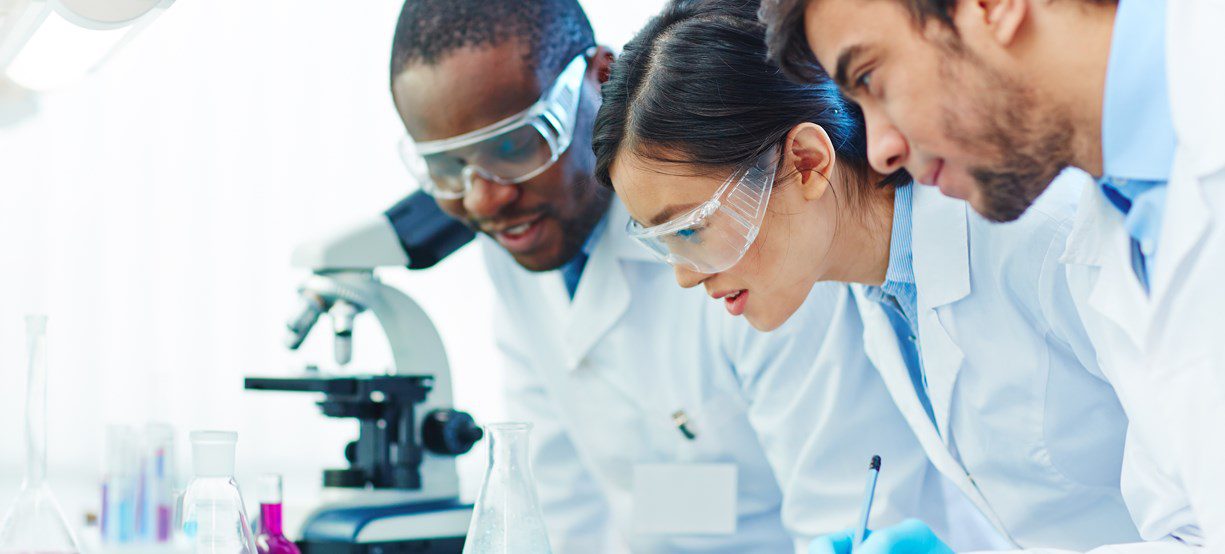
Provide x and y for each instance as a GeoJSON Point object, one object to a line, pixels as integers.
{"type": "Point", "coordinates": [118, 522]}
{"type": "Point", "coordinates": [157, 483]}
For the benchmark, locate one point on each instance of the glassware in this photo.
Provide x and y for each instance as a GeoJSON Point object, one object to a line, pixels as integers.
{"type": "Point", "coordinates": [271, 539]}
{"type": "Point", "coordinates": [35, 524]}
{"type": "Point", "coordinates": [157, 483]}
{"type": "Point", "coordinates": [507, 517]}
{"type": "Point", "coordinates": [214, 519]}
{"type": "Point", "coordinates": [119, 486]}
{"type": "Point", "coordinates": [138, 485]}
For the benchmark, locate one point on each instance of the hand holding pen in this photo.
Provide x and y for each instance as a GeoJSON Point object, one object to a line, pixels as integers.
{"type": "Point", "coordinates": [908, 537]}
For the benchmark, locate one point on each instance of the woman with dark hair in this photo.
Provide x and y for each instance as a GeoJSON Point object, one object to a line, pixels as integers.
{"type": "Point", "coordinates": [757, 188]}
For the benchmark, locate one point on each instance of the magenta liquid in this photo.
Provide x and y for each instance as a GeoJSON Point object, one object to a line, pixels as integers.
{"type": "Point", "coordinates": [271, 539]}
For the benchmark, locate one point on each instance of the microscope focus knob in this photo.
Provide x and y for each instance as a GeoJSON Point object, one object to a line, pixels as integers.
{"type": "Point", "coordinates": [450, 432]}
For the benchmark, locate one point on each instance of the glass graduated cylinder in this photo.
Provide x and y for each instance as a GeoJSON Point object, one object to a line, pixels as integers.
{"type": "Point", "coordinates": [507, 517]}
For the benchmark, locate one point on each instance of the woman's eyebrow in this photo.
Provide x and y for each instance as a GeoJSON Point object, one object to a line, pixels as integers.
{"type": "Point", "coordinates": [669, 212]}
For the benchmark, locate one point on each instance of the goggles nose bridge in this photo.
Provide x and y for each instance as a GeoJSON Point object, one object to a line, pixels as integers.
{"type": "Point", "coordinates": [470, 172]}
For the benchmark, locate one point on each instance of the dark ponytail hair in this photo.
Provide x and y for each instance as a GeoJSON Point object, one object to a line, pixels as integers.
{"type": "Point", "coordinates": [694, 86]}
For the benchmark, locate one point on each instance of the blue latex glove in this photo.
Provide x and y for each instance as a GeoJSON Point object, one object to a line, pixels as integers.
{"type": "Point", "coordinates": [834, 543]}
{"type": "Point", "coordinates": [908, 537]}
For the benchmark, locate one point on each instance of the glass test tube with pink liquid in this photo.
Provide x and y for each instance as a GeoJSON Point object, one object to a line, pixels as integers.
{"type": "Point", "coordinates": [271, 538]}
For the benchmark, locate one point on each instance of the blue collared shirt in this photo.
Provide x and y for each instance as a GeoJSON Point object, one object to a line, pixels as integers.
{"type": "Point", "coordinates": [899, 296]}
{"type": "Point", "coordinates": [572, 271]}
{"type": "Point", "coordinates": [1138, 138]}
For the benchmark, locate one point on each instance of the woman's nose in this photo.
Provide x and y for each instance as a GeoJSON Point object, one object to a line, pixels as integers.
{"type": "Point", "coordinates": [688, 278]}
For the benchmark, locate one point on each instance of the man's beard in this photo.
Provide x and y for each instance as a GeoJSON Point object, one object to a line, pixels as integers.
{"type": "Point", "coordinates": [578, 227]}
{"type": "Point", "coordinates": [1024, 144]}
{"type": "Point", "coordinates": [591, 199]}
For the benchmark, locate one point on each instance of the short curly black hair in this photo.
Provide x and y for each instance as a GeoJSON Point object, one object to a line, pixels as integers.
{"type": "Point", "coordinates": [554, 31]}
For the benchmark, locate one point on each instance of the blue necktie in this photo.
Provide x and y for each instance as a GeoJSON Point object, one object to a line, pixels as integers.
{"type": "Point", "coordinates": [1143, 223]}
{"type": "Point", "coordinates": [572, 271]}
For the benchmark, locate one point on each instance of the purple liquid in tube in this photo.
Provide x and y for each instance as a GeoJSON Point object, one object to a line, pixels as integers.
{"type": "Point", "coordinates": [271, 538]}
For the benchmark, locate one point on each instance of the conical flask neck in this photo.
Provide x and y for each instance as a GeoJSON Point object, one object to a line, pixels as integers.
{"type": "Point", "coordinates": [508, 449]}
{"type": "Point", "coordinates": [36, 401]}
{"type": "Point", "coordinates": [35, 522]}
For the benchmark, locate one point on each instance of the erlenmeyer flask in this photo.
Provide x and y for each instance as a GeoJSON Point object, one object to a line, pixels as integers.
{"type": "Point", "coordinates": [35, 525]}
{"type": "Point", "coordinates": [271, 538]}
{"type": "Point", "coordinates": [507, 518]}
{"type": "Point", "coordinates": [214, 518]}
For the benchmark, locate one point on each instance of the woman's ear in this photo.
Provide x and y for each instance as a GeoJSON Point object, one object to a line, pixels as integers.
{"type": "Point", "coordinates": [811, 154]}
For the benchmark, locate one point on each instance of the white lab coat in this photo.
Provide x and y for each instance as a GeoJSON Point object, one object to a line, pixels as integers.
{"type": "Point", "coordinates": [1028, 427]}
{"type": "Point", "coordinates": [601, 376]}
{"type": "Point", "coordinates": [821, 411]}
{"type": "Point", "coordinates": [1165, 352]}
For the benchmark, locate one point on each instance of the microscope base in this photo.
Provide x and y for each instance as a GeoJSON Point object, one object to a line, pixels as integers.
{"type": "Point", "coordinates": [424, 546]}
{"type": "Point", "coordinates": [432, 527]}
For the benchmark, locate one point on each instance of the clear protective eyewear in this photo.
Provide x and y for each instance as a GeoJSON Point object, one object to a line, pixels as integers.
{"type": "Point", "coordinates": [715, 235]}
{"type": "Point", "coordinates": [510, 151]}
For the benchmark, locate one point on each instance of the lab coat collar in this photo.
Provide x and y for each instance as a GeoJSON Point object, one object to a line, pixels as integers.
{"type": "Point", "coordinates": [940, 241]}
{"type": "Point", "coordinates": [1100, 242]}
{"type": "Point", "coordinates": [1091, 230]}
{"type": "Point", "coordinates": [603, 294]}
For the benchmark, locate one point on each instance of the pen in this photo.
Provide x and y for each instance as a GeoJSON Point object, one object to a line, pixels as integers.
{"type": "Point", "coordinates": [868, 493]}
{"type": "Point", "coordinates": [681, 419]}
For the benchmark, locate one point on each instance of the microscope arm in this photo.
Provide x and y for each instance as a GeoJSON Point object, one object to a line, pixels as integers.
{"type": "Point", "coordinates": [414, 233]}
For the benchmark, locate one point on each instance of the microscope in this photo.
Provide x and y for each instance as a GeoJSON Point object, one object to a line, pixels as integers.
{"type": "Point", "coordinates": [400, 492]}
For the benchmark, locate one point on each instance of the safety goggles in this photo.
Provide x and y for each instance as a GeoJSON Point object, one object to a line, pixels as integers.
{"type": "Point", "coordinates": [715, 235]}
{"type": "Point", "coordinates": [507, 152]}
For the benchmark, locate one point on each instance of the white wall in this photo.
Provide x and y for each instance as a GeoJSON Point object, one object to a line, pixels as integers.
{"type": "Point", "coordinates": [150, 211]}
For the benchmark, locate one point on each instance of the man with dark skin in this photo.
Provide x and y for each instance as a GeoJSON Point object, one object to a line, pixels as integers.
{"type": "Point", "coordinates": [989, 100]}
{"type": "Point", "coordinates": [475, 86]}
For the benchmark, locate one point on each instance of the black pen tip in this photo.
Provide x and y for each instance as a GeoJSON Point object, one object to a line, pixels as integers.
{"type": "Point", "coordinates": [875, 463]}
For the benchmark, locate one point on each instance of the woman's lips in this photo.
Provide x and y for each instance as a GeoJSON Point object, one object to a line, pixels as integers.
{"type": "Point", "coordinates": [736, 302]}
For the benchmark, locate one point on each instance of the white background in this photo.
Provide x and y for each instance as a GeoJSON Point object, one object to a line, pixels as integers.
{"type": "Point", "coordinates": [150, 210]}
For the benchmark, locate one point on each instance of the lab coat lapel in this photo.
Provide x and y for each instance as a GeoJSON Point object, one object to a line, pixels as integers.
{"type": "Point", "coordinates": [1196, 77]}
{"type": "Point", "coordinates": [1099, 241]}
{"type": "Point", "coordinates": [603, 294]}
{"type": "Point", "coordinates": [941, 244]}
{"type": "Point", "coordinates": [881, 346]}
{"type": "Point", "coordinates": [1183, 229]}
